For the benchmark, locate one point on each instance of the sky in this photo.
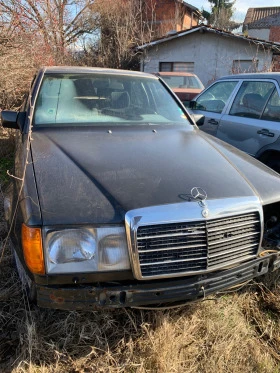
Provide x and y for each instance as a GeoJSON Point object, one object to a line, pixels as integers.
{"type": "Point", "coordinates": [240, 6]}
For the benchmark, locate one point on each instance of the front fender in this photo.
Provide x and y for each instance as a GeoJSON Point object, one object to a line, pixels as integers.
{"type": "Point", "coordinates": [273, 147]}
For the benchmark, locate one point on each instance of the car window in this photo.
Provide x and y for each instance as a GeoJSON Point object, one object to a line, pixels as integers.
{"type": "Point", "coordinates": [215, 97]}
{"type": "Point", "coordinates": [96, 99]}
{"type": "Point", "coordinates": [182, 81]}
{"type": "Point", "coordinates": [272, 109]}
{"type": "Point", "coordinates": [251, 99]}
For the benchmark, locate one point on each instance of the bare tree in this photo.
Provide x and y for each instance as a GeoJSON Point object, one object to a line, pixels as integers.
{"type": "Point", "coordinates": [58, 22]}
{"type": "Point", "coordinates": [221, 15]}
{"type": "Point", "coordinates": [121, 26]}
{"type": "Point", "coordinates": [221, 18]}
{"type": "Point", "coordinates": [18, 62]}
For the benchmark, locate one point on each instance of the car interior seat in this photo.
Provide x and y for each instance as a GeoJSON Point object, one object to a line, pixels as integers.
{"type": "Point", "coordinates": [253, 101]}
{"type": "Point", "coordinates": [120, 100]}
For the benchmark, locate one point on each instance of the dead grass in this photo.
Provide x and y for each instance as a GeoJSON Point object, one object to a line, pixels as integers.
{"type": "Point", "coordinates": [6, 153]}
{"type": "Point", "coordinates": [235, 332]}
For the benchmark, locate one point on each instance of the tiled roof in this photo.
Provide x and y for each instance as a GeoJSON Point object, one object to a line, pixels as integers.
{"type": "Point", "coordinates": [262, 17]}
{"type": "Point", "coordinates": [202, 29]}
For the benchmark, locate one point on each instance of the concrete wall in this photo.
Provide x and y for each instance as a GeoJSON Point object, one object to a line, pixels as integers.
{"type": "Point", "coordinates": [212, 54]}
{"type": "Point", "coordinates": [270, 34]}
{"type": "Point", "coordinates": [262, 34]}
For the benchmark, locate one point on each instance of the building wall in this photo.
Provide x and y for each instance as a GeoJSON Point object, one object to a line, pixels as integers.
{"type": "Point", "coordinates": [190, 20]}
{"type": "Point", "coordinates": [274, 34]}
{"type": "Point", "coordinates": [169, 15]}
{"type": "Point", "coordinates": [269, 34]}
{"type": "Point", "coordinates": [275, 37]}
{"type": "Point", "coordinates": [276, 63]}
{"type": "Point", "coordinates": [212, 54]}
{"type": "Point", "coordinates": [262, 34]}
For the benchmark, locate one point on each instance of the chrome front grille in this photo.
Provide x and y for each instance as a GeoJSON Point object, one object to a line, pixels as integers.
{"type": "Point", "coordinates": [190, 247]}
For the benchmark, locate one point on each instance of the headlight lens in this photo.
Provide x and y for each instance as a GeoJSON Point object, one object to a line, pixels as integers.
{"type": "Point", "coordinates": [76, 250]}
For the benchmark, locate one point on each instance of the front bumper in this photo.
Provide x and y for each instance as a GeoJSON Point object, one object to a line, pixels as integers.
{"type": "Point", "coordinates": [161, 293]}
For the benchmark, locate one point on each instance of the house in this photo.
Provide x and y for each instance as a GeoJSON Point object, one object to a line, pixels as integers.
{"type": "Point", "coordinates": [208, 52]}
{"type": "Point", "coordinates": [171, 15]}
{"type": "Point", "coordinates": [264, 23]}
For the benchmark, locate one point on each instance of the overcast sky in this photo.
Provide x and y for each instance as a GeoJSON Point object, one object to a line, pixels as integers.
{"type": "Point", "coordinates": [240, 6]}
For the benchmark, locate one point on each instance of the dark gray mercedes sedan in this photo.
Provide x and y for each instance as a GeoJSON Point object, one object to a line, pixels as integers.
{"type": "Point", "coordinates": [118, 200]}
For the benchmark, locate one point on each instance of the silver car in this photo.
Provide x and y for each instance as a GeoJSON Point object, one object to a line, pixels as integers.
{"type": "Point", "coordinates": [244, 110]}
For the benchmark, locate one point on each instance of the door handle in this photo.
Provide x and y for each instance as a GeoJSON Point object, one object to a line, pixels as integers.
{"type": "Point", "coordinates": [265, 132]}
{"type": "Point", "coordinates": [213, 121]}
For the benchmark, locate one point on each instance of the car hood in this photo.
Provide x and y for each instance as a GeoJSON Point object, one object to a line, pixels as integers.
{"type": "Point", "coordinates": [95, 175]}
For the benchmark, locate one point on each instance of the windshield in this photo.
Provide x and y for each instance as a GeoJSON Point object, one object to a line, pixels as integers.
{"type": "Point", "coordinates": [97, 99]}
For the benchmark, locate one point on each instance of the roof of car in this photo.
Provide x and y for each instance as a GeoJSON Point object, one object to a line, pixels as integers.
{"type": "Point", "coordinates": [268, 75]}
{"type": "Point", "coordinates": [174, 73]}
{"type": "Point", "coordinates": [93, 70]}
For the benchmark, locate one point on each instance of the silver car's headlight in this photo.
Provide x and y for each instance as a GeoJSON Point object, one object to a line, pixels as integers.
{"type": "Point", "coordinates": [76, 250]}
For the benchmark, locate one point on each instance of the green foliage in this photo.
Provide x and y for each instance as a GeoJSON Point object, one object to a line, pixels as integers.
{"type": "Point", "coordinates": [6, 163]}
{"type": "Point", "coordinates": [7, 145]}
{"type": "Point", "coordinates": [221, 14]}
{"type": "Point", "coordinates": [219, 4]}
{"type": "Point", "coordinates": [206, 15]}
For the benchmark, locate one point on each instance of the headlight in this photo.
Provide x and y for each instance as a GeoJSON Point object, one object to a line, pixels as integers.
{"type": "Point", "coordinates": [76, 250]}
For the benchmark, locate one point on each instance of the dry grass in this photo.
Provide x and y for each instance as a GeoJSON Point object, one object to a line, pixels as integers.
{"type": "Point", "coordinates": [235, 332]}
{"type": "Point", "coordinates": [6, 153]}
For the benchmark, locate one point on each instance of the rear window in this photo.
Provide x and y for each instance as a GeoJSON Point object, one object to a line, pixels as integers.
{"type": "Point", "coordinates": [96, 99]}
{"type": "Point", "coordinates": [182, 82]}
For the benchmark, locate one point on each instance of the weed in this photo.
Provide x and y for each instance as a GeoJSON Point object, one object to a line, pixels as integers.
{"type": "Point", "coordinates": [6, 163]}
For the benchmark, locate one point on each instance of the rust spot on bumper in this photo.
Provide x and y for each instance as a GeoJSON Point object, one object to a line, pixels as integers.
{"type": "Point", "coordinates": [55, 299]}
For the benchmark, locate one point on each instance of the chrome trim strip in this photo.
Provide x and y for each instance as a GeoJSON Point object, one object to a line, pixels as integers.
{"type": "Point", "coordinates": [174, 261]}
{"type": "Point", "coordinates": [187, 212]}
{"type": "Point", "coordinates": [171, 248]}
{"type": "Point", "coordinates": [231, 226]}
{"type": "Point", "coordinates": [172, 235]}
{"type": "Point", "coordinates": [221, 253]}
{"type": "Point", "coordinates": [234, 238]}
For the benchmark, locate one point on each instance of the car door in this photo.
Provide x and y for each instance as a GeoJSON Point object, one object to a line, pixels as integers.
{"type": "Point", "coordinates": [252, 119]}
{"type": "Point", "coordinates": [213, 102]}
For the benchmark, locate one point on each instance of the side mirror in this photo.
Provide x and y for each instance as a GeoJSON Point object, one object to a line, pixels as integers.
{"type": "Point", "coordinates": [9, 119]}
{"type": "Point", "coordinates": [13, 119]}
{"type": "Point", "coordinates": [192, 104]}
{"type": "Point", "coordinates": [198, 119]}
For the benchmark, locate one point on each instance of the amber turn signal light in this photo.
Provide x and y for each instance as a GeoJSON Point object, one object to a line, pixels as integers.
{"type": "Point", "coordinates": [33, 249]}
